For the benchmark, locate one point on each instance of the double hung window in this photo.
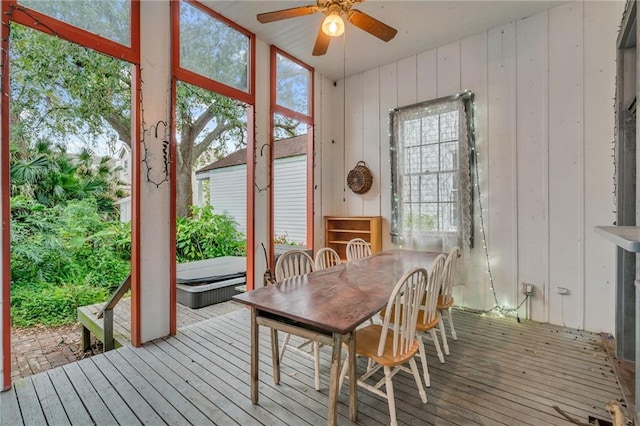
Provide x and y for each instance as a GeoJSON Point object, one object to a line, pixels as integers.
{"type": "Point", "coordinates": [431, 181]}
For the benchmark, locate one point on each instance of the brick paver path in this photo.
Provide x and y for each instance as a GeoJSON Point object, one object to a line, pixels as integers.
{"type": "Point", "coordinates": [35, 349]}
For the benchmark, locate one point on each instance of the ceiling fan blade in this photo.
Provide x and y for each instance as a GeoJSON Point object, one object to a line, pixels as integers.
{"type": "Point", "coordinates": [286, 13]}
{"type": "Point", "coordinates": [371, 25]}
{"type": "Point", "coordinates": [322, 43]}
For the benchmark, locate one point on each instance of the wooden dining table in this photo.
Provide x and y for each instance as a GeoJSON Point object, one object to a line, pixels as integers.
{"type": "Point", "coordinates": [327, 306]}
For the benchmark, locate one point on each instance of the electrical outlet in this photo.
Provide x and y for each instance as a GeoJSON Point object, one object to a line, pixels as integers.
{"type": "Point", "coordinates": [527, 289]}
{"type": "Point", "coordinates": [562, 290]}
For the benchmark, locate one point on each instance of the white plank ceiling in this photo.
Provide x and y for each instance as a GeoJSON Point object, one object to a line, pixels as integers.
{"type": "Point", "coordinates": [421, 25]}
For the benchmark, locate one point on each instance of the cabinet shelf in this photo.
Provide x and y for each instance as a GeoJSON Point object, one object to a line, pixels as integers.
{"type": "Point", "coordinates": [340, 230]}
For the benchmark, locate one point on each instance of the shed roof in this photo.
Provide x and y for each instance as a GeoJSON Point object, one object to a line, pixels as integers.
{"type": "Point", "coordinates": [284, 148]}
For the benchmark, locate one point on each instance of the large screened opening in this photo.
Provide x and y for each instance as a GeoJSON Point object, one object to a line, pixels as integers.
{"type": "Point", "coordinates": [292, 153]}
{"type": "Point", "coordinates": [68, 126]}
{"type": "Point", "coordinates": [214, 101]}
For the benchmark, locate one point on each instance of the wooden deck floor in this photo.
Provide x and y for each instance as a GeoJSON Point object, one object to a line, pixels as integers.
{"type": "Point", "coordinates": [499, 372]}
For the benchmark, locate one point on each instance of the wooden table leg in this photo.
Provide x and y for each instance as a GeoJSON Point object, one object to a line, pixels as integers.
{"type": "Point", "coordinates": [334, 389]}
{"type": "Point", "coordinates": [353, 379]}
{"type": "Point", "coordinates": [255, 356]}
{"type": "Point", "coordinates": [275, 356]}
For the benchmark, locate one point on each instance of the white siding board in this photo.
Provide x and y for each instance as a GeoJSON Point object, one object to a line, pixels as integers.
{"type": "Point", "coordinates": [427, 75]}
{"type": "Point", "coordinates": [566, 154]}
{"type": "Point", "coordinates": [532, 158]}
{"type": "Point", "coordinates": [324, 150]}
{"type": "Point", "coordinates": [290, 200]}
{"type": "Point", "coordinates": [599, 61]}
{"type": "Point", "coordinates": [229, 193]}
{"type": "Point", "coordinates": [371, 139]}
{"type": "Point", "coordinates": [407, 81]}
{"type": "Point", "coordinates": [354, 142]}
{"type": "Point", "coordinates": [334, 151]}
{"type": "Point", "coordinates": [449, 69]}
{"type": "Point", "coordinates": [473, 54]}
{"type": "Point", "coordinates": [388, 101]}
{"type": "Point", "coordinates": [501, 156]}
{"type": "Point", "coordinates": [339, 154]}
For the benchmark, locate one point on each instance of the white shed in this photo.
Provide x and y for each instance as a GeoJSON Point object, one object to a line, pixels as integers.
{"type": "Point", "coordinates": [227, 189]}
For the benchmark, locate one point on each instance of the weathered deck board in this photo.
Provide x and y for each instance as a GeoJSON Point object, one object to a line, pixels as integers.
{"type": "Point", "coordinates": [51, 406]}
{"type": "Point", "coordinates": [9, 409]}
{"type": "Point", "coordinates": [29, 405]}
{"type": "Point", "coordinates": [499, 372]}
{"type": "Point", "coordinates": [119, 408]}
{"type": "Point", "coordinates": [69, 397]}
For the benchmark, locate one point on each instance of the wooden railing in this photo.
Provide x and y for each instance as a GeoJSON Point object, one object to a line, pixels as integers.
{"type": "Point", "coordinates": [107, 312]}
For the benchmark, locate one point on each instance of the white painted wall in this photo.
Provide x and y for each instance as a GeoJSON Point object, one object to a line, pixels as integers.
{"type": "Point", "coordinates": [544, 112]}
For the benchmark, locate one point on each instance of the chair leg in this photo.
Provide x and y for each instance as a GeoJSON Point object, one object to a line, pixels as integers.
{"type": "Point", "coordinates": [423, 361]}
{"type": "Point", "coordinates": [316, 362]}
{"type": "Point", "coordinates": [388, 385]}
{"type": "Point", "coordinates": [443, 333]}
{"type": "Point", "coordinates": [436, 343]}
{"type": "Point", "coordinates": [416, 375]}
{"type": "Point", "coordinates": [285, 342]}
{"type": "Point", "coordinates": [453, 330]}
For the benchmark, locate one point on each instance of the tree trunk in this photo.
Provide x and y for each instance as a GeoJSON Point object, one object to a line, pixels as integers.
{"type": "Point", "coordinates": [184, 190]}
{"type": "Point", "coordinates": [184, 194]}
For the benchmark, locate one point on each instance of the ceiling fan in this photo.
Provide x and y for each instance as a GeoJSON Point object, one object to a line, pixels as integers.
{"type": "Point", "coordinates": [333, 25]}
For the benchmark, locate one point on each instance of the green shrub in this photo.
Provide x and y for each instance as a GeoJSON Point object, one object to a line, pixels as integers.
{"type": "Point", "coordinates": [49, 304]}
{"type": "Point", "coordinates": [73, 255]}
{"type": "Point", "coordinates": [206, 235]}
{"type": "Point", "coordinates": [71, 243]}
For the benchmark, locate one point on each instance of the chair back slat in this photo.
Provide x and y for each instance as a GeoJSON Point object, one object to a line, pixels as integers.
{"type": "Point", "coordinates": [434, 284]}
{"type": "Point", "coordinates": [449, 271]}
{"type": "Point", "coordinates": [293, 263]}
{"type": "Point", "coordinates": [357, 248]}
{"type": "Point", "coordinates": [326, 257]}
{"type": "Point", "coordinates": [404, 303]}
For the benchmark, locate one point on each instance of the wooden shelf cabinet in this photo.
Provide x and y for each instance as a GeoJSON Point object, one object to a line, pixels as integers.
{"type": "Point", "coordinates": [340, 230]}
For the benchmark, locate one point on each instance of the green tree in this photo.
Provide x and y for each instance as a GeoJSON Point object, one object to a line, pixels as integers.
{"type": "Point", "coordinates": [61, 90]}
{"type": "Point", "coordinates": [50, 176]}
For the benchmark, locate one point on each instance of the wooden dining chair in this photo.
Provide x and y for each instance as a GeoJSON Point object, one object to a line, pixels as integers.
{"type": "Point", "coordinates": [357, 248]}
{"type": "Point", "coordinates": [294, 263]}
{"type": "Point", "coordinates": [327, 257]}
{"type": "Point", "coordinates": [428, 318]}
{"type": "Point", "coordinates": [395, 342]}
{"type": "Point", "coordinates": [445, 301]}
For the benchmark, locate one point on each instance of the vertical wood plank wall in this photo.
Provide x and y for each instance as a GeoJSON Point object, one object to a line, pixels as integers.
{"type": "Point", "coordinates": [544, 120]}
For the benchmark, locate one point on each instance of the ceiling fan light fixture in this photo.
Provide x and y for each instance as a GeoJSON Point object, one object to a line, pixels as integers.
{"type": "Point", "coordinates": [333, 25]}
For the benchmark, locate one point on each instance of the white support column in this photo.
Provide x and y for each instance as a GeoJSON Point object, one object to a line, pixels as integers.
{"type": "Point", "coordinates": [154, 215]}
{"type": "Point", "coordinates": [261, 215]}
